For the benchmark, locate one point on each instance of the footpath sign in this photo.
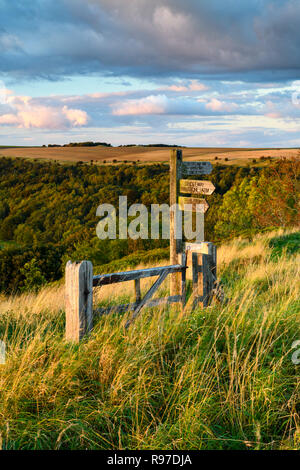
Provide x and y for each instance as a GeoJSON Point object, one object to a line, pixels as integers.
{"type": "Point", "coordinates": [196, 187]}
{"type": "Point", "coordinates": [196, 168]}
{"type": "Point", "coordinates": [193, 204]}
{"type": "Point", "coordinates": [178, 170]}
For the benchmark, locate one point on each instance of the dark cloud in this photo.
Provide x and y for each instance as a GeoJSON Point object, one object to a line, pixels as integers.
{"type": "Point", "coordinates": [257, 38]}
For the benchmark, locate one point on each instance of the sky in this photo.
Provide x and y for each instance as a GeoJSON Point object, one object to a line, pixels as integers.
{"type": "Point", "coordinates": [208, 73]}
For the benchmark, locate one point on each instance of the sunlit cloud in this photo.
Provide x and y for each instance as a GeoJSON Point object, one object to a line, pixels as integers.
{"type": "Point", "coordinates": [149, 105]}
{"type": "Point", "coordinates": [192, 85]}
{"type": "Point", "coordinates": [217, 105]}
{"type": "Point", "coordinates": [24, 113]}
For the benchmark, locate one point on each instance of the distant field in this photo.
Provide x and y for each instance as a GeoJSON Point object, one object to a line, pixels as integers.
{"type": "Point", "coordinates": [145, 154]}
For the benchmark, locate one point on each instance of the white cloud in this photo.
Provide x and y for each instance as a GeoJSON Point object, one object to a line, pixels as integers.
{"type": "Point", "coordinates": [217, 105]}
{"type": "Point", "coordinates": [75, 116]}
{"type": "Point", "coordinates": [153, 104]}
{"type": "Point", "coordinates": [192, 85]}
{"type": "Point", "coordinates": [27, 113]}
{"type": "Point", "coordinates": [271, 110]}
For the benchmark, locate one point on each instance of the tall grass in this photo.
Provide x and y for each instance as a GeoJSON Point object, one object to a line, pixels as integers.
{"type": "Point", "coordinates": [219, 378]}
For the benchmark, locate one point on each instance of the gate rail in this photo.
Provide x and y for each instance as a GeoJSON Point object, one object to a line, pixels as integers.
{"type": "Point", "coordinates": [162, 272]}
{"type": "Point", "coordinates": [79, 293]}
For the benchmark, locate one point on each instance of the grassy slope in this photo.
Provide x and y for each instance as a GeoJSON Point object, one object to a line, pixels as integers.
{"type": "Point", "coordinates": [215, 379]}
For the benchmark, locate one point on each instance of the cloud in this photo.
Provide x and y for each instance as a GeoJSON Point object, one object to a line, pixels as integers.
{"type": "Point", "coordinates": [271, 110]}
{"type": "Point", "coordinates": [25, 113]}
{"type": "Point", "coordinates": [9, 42]}
{"type": "Point", "coordinates": [227, 113]}
{"type": "Point", "coordinates": [149, 105]}
{"type": "Point", "coordinates": [273, 115]}
{"type": "Point", "coordinates": [4, 93]}
{"type": "Point", "coordinates": [217, 105]}
{"type": "Point", "coordinates": [42, 38]}
{"type": "Point", "coordinates": [162, 104]}
{"type": "Point", "coordinates": [76, 117]}
{"type": "Point", "coordinates": [241, 124]}
{"type": "Point", "coordinates": [193, 85]}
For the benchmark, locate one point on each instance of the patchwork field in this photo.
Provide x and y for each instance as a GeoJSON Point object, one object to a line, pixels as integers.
{"type": "Point", "coordinates": [146, 154]}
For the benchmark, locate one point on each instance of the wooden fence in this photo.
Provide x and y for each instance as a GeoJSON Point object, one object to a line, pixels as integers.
{"type": "Point", "coordinates": [80, 282]}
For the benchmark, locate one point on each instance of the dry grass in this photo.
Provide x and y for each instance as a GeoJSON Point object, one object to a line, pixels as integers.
{"type": "Point", "coordinates": [241, 248]}
{"type": "Point", "coordinates": [49, 298]}
{"type": "Point", "coordinates": [215, 379]}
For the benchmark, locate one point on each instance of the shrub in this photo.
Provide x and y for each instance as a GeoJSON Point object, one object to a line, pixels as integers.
{"type": "Point", "coordinates": [33, 277]}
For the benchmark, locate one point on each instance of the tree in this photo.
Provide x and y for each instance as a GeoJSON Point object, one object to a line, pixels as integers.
{"type": "Point", "coordinates": [34, 278]}
{"type": "Point", "coordinates": [4, 210]}
{"type": "Point", "coordinates": [235, 214]}
{"type": "Point", "coordinates": [24, 235]}
{"type": "Point", "coordinates": [278, 195]}
{"type": "Point", "coordinates": [269, 199]}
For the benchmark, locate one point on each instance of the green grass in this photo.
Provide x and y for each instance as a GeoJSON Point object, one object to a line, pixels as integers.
{"type": "Point", "coordinates": [288, 244]}
{"type": "Point", "coordinates": [219, 378]}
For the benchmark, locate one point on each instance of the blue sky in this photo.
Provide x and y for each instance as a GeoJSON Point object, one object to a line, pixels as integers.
{"type": "Point", "coordinates": [195, 73]}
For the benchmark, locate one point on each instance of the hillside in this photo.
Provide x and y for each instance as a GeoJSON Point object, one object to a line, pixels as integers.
{"type": "Point", "coordinates": [222, 378]}
{"type": "Point", "coordinates": [48, 212]}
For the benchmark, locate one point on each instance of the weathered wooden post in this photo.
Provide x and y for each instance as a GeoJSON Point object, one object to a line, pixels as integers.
{"type": "Point", "coordinates": [204, 266]}
{"type": "Point", "coordinates": [183, 281]}
{"type": "Point", "coordinates": [197, 280]}
{"type": "Point", "coordinates": [175, 242]}
{"type": "Point", "coordinates": [79, 299]}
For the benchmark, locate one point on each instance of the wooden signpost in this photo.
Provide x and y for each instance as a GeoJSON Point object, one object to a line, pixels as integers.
{"type": "Point", "coordinates": [196, 187]}
{"type": "Point", "coordinates": [193, 204]}
{"type": "Point", "coordinates": [196, 168]}
{"type": "Point", "coordinates": [175, 242]}
{"type": "Point", "coordinates": [179, 169]}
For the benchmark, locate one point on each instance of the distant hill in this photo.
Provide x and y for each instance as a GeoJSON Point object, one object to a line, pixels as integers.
{"type": "Point", "coordinates": [104, 153]}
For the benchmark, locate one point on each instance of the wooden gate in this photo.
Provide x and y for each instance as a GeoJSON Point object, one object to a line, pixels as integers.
{"type": "Point", "coordinates": [80, 283]}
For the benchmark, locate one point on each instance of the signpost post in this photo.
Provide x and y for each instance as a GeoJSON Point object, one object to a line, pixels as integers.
{"type": "Point", "coordinates": [175, 242]}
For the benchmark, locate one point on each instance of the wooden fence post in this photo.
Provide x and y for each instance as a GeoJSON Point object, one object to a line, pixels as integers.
{"type": "Point", "coordinates": [205, 282]}
{"type": "Point", "coordinates": [197, 284]}
{"type": "Point", "coordinates": [204, 275]}
{"type": "Point", "coordinates": [183, 281]}
{"type": "Point", "coordinates": [79, 299]}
